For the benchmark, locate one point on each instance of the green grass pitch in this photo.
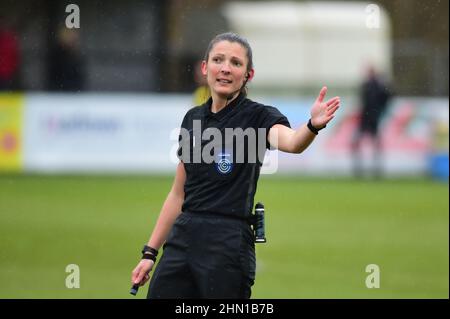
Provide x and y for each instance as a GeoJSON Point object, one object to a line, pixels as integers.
{"type": "Point", "coordinates": [322, 233]}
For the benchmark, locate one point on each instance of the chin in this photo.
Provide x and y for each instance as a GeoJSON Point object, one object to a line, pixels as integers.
{"type": "Point", "coordinates": [226, 92]}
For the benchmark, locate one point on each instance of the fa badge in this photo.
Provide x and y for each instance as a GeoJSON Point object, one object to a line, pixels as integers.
{"type": "Point", "coordinates": [224, 164]}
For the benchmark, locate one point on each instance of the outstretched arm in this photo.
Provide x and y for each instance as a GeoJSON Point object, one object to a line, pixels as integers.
{"type": "Point", "coordinates": [296, 141]}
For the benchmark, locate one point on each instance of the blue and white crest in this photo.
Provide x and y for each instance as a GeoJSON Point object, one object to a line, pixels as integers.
{"type": "Point", "coordinates": [224, 164]}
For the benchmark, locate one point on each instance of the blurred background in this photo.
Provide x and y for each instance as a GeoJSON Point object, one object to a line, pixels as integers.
{"type": "Point", "coordinates": [92, 94]}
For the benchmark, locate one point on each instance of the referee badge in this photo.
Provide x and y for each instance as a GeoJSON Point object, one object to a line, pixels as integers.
{"type": "Point", "coordinates": [224, 164]}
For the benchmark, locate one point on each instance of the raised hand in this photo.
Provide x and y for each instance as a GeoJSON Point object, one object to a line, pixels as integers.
{"type": "Point", "coordinates": [323, 112]}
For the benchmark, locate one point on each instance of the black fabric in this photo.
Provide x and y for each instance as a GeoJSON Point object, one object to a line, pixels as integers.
{"type": "Point", "coordinates": [374, 98]}
{"type": "Point", "coordinates": [207, 188]}
{"type": "Point", "coordinates": [205, 256]}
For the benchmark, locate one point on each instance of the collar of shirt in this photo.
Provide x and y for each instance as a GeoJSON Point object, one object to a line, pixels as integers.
{"type": "Point", "coordinates": [226, 110]}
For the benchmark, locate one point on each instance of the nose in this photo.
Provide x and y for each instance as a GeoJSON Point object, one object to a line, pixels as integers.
{"type": "Point", "coordinates": [225, 68]}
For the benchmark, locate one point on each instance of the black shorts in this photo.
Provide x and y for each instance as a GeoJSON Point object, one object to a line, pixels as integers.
{"type": "Point", "coordinates": [206, 256]}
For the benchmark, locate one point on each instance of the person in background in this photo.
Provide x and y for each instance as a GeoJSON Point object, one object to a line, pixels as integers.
{"type": "Point", "coordinates": [374, 97]}
{"type": "Point", "coordinates": [201, 93]}
{"type": "Point", "coordinates": [66, 65]}
{"type": "Point", "coordinates": [9, 56]}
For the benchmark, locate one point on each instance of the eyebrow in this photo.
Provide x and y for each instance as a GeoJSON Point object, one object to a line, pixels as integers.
{"type": "Point", "coordinates": [233, 57]}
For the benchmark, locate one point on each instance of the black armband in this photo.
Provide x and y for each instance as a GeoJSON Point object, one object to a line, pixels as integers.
{"type": "Point", "coordinates": [151, 250]}
{"type": "Point", "coordinates": [149, 256]}
{"type": "Point", "coordinates": [149, 253]}
{"type": "Point", "coordinates": [313, 129]}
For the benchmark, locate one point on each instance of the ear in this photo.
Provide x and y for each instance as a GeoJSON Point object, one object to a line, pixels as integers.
{"type": "Point", "coordinates": [250, 74]}
{"type": "Point", "coordinates": [204, 68]}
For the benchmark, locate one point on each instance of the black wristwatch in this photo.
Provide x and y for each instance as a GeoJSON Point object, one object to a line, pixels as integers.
{"type": "Point", "coordinates": [313, 129]}
{"type": "Point", "coordinates": [147, 250]}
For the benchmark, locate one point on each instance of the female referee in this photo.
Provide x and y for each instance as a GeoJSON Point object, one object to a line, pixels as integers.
{"type": "Point", "coordinates": [208, 244]}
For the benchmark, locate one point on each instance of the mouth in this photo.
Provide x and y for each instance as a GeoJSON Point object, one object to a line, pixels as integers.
{"type": "Point", "coordinates": [224, 81]}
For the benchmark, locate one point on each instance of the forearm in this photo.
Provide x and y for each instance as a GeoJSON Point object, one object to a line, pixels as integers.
{"type": "Point", "coordinates": [291, 141]}
{"type": "Point", "coordinates": [301, 139]}
{"type": "Point", "coordinates": [169, 212]}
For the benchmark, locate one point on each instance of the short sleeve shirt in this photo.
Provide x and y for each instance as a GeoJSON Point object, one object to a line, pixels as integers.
{"type": "Point", "coordinates": [223, 153]}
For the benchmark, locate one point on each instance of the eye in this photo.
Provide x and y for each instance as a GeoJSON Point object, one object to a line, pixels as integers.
{"type": "Point", "coordinates": [216, 59]}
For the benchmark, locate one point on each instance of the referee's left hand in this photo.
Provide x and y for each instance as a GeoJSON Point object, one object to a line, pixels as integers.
{"type": "Point", "coordinates": [140, 274]}
{"type": "Point", "coordinates": [323, 112]}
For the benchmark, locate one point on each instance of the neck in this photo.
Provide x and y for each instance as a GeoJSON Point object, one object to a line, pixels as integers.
{"type": "Point", "coordinates": [220, 102]}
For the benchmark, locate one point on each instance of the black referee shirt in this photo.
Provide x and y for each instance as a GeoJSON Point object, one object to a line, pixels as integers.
{"type": "Point", "coordinates": [226, 185]}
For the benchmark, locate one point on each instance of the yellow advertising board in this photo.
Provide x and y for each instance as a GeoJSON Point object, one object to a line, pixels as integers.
{"type": "Point", "coordinates": [11, 110]}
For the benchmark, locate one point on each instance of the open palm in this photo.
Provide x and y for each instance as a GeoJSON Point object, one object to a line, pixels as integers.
{"type": "Point", "coordinates": [323, 112]}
